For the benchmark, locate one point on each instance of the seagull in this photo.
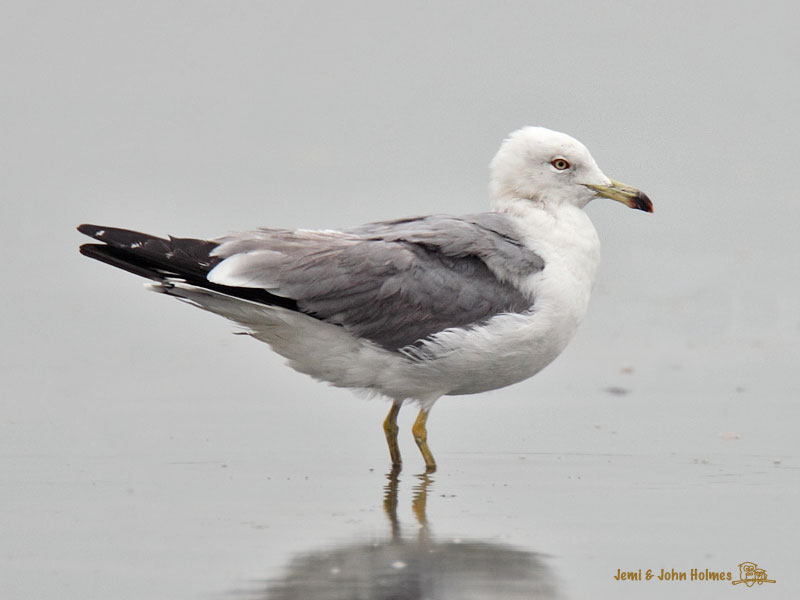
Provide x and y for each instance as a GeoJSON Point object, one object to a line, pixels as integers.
{"type": "Point", "coordinates": [411, 309]}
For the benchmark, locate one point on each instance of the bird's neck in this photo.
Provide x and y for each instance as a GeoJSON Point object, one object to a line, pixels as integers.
{"type": "Point", "coordinates": [563, 235]}
{"type": "Point", "coordinates": [520, 207]}
{"type": "Point", "coordinates": [509, 203]}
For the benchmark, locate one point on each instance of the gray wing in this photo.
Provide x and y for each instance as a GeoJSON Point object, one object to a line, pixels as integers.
{"type": "Point", "coordinates": [393, 283]}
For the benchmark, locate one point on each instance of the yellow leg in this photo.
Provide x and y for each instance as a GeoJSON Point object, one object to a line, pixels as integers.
{"type": "Point", "coordinates": [421, 437]}
{"type": "Point", "coordinates": [390, 429]}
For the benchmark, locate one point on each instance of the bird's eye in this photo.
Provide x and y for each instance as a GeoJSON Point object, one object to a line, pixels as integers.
{"type": "Point", "coordinates": [560, 164]}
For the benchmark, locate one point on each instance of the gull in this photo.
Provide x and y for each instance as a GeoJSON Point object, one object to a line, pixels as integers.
{"type": "Point", "coordinates": [412, 309]}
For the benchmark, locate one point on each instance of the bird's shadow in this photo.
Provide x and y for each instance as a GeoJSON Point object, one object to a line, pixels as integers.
{"type": "Point", "coordinates": [400, 567]}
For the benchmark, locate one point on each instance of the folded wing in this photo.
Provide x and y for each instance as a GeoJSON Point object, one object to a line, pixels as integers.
{"type": "Point", "coordinates": [393, 283]}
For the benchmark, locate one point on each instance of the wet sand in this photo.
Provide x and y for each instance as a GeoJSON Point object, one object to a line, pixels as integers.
{"type": "Point", "coordinates": [190, 498]}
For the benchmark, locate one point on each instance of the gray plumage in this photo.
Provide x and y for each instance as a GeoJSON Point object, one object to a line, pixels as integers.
{"type": "Point", "coordinates": [395, 282]}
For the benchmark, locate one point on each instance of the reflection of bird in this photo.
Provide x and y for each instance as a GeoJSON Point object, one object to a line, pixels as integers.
{"type": "Point", "coordinates": [412, 309]}
{"type": "Point", "coordinates": [414, 569]}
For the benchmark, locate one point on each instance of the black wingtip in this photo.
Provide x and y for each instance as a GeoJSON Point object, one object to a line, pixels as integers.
{"type": "Point", "coordinates": [157, 258]}
{"type": "Point", "coordinates": [149, 256]}
{"type": "Point", "coordinates": [121, 260]}
{"type": "Point", "coordinates": [115, 236]}
{"type": "Point", "coordinates": [90, 230]}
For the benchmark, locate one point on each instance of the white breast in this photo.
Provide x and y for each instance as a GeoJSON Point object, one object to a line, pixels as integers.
{"type": "Point", "coordinates": [510, 348]}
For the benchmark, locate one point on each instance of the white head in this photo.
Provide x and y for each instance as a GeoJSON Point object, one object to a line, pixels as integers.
{"type": "Point", "coordinates": [552, 169]}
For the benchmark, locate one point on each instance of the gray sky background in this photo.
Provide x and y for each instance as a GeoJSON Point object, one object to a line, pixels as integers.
{"type": "Point", "coordinates": [198, 118]}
